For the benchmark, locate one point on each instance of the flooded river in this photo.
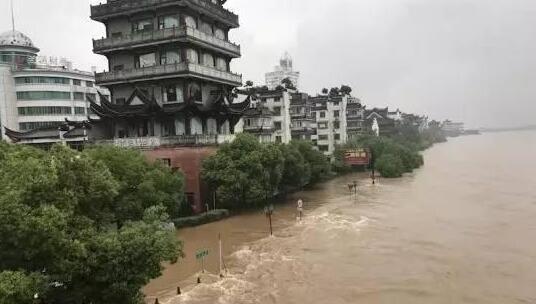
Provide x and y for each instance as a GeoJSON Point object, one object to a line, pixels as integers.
{"type": "Point", "coordinates": [460, 230]}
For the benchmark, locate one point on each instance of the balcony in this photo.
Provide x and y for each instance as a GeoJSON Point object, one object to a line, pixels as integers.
{"type": "Point", "coordinates": [183, 69]}
{"type": "Point", "coordinates": [143, 38]}
{"type": "Point", "coordinates": [171, 141]}
{"type": "Point", "coordinates": [303, 130]}
{"type": "Point", "coordinates": [113, 8]}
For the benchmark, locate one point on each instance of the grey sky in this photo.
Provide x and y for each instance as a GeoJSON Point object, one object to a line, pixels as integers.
{"type": "Point", "coordinates": [470, 60]}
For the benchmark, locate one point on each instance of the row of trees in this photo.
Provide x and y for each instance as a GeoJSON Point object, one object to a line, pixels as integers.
{"type": "Point", "coordinates": [246, 173]}
{"type": "Point", "coordinates": [83, 227]}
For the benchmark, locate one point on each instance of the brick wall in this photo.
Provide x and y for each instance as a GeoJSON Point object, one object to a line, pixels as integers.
{"type": "Point", "coordinates": [189, 161]}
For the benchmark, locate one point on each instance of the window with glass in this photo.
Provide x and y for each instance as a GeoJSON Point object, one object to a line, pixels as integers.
{"type": "Point", "coordinates": [277, 111]}
{"type": "Point", "coordinates": [336, 125]}
{"type": "Point", "coordinates": [192, 56]}
{"type": "Point", "coordinates": [42, 79]}
{"type": "Point", "coordinates": [277, 125]}
{"type": "Point", "coordinates": [173, 94]}
{"type": "Point", "coordinates": [322, 114]}
{"type": "Point", "coordinates": [190, 22]}
{"type": "Point", "coordinates": [323, 148]}
{"type": "Point", "coordinates": [146, 60]}
{"type": "Point", "coordinates": [43, 95]}
{"type": "Point", "coordinates": [170, 21]}
{"type": "Point", "coordinates": [337, 136]}
{"type": "Point", "coordinates": [278, 139]}
{"type": "Point", "coordinates": [323, 137]}
{"type": "Point", "coordinates": [77, 82]}
{"type": "Point", "coordinates": [90, 84]}
{"type": "Point", "coordinates": [143, 25]}
{"type": "Point", "coordinates": [322, 125]}
{"type": "Point", "coordinates": [194, 92]}
{"type": "Point", "coordinates": [219, 33]}
{"type": "Point", "coordinates": [38, 111]}
{"type": "Point", "coordinates": [78, 96]}
{"type": "Point", "coordinates": [336, 113]}
{"type": "Point", "coordinates": [208, 60]}
{"type": "Point", "coordinates": [170, 57]}
{"type": "Point", "coordinates": [79, 110]}
{"type": "Point", "coordinates": [26, 126]}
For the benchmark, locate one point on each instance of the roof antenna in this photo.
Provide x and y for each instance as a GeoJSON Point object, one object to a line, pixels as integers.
{"type": "Point", "coordinates": [12, 17]}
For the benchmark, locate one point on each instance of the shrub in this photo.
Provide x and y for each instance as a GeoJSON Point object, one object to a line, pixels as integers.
{"type": "Point", "coordinates": [390, 166]}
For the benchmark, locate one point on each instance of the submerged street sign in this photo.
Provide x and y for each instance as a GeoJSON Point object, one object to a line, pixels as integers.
{"type": "Point", "coordinates": [200, 254]}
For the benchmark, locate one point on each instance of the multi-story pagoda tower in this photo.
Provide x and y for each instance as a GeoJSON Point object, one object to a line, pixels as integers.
{"type": "Point", "coordinates": [170, 80]}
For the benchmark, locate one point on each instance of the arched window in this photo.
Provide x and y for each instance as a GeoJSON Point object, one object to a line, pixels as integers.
{"type": "Point", "coordinates": [219, 33]}
{"type": "Point", "coordinates": [190, 22]}
{"type": "Point", "coordinates": [192, 56]}
{"type": "Point", "coordinates": [205, 28]}
{"type": "Point", "coordinates": [208, 60]}
{"type": "Point", "coordinates": [194, 92]}
{"type": "Point", "coordinates": [221, 64]}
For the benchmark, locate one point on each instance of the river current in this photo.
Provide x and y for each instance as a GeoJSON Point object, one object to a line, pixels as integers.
{"type": "Point", "coordinates": [462, 229]}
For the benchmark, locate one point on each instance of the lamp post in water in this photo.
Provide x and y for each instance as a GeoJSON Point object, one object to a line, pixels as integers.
{"type": "Point", "coordinates": [269, 210]}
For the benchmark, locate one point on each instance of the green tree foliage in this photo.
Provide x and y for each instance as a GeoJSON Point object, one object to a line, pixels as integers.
{"type": "Point", "coordinates": [287, 83]}
{"type": "Point", "coordinates": [59, 232]}
{"type": "Point", "coordinates": [390, 165]}
{"type": "Point", "coordinates": [345, 90]}
{"type": "Point", "coordinates": [334, 92]}
{"type": "Point", "coordinates": [325, 91]}
{"type": "Point", "coordinates": [140, 184]}
{"type": "Point", "coordinates": [247, 173]}
{"type": "Point", "coordinates": [406, 153]}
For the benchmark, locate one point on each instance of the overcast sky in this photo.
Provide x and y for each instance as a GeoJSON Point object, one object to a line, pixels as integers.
{"type": "Point", "coordinates": [469, 60]}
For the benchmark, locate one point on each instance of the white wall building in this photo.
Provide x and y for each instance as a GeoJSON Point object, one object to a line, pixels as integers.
{"type": "Point", "coordinates": [282, 71]}
{"type": "Point", "coordinates": [331, 122]}
{"type": "Point", "coordinates": [36, 96]}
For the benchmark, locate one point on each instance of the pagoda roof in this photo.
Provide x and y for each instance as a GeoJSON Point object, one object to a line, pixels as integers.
{"type": "Point", "coordinates": [72, 130]}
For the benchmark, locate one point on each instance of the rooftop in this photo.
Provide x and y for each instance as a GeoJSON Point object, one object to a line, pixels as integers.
{"type": "Point", "coordinates": [15, 38]}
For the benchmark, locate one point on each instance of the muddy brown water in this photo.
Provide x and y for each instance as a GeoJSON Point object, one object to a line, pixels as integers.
{"type": "Point", "coordinates": [460, 230]}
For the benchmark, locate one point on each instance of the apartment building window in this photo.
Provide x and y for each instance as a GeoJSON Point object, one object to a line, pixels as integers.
{"type": "Point", "coordinates": [78, 96]}
{"type": "Point", "coordinates": [335, 103]}
{"type": "Point", "coordinates": [38, 111]}
{"type": "Point", "coordinates": [79, 110]}
{"type": "Point", "coordinates": [194, 92]}
{"type": "Point", "coordinates": [322, 125]}
{"type": "Point", "coordinates": [146, 60]}
{"type": "Point", "coordinates": [170, 21]}
{"type": "Point", "coordinates": [322, 114]}
{"type": "Point", "coordinates": [143, 25]}
{"type": "Point", "coordinates": [190, 22]}
{"type": "Point", "coordinates": [323, 137]}
{"type": "Point", "coordinates": [323, 148]}
{"type": "Point", "coordinates": [336, 113]}
{"type": "Point", "coordinates": [277, 125]}
{"type": "Point", "coordinates": [77, 82]}
{"type": "Point", "coordinates": [90, 84]}
{"type": "Point", "coordinates": [277, 111]}
{"type": "Point", "coordinates": [337, 136]}
{"type": "Point", "coordinates": [26, 126]}
{"type": "Point", "coordinates": [278, 139]}
{"type": "Point", "coordinates": [277, 99]}
{"type": "Point", "coordinates": [43, 95]}
{"type": "Point", "coordinates": [336, 125]}
{"type": "Point", "coordinates": [42, 79]}
{"type": "Point", "coordinates": [170, 57]}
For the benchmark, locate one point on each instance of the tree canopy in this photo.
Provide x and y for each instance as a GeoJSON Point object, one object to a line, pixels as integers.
{"type": "Point", "coordinates": [59, 214]}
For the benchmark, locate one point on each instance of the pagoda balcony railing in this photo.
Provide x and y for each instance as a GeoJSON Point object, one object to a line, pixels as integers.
{"type": "Point", "coordinates": [169, 70]}
{"type": "Point", "coordinates": [167, 141]}
{"type": "Point", "coordinates": [144, 37]}
{"type": "Point", "coordinates": [119, 6]}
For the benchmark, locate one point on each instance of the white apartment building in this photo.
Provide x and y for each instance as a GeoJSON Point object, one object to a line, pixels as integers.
{"type": "Point", "coordinates": [330, 113]}
{"type": "Point", "coordinates": [36, 97]}
{"type": "Point", "coordinates": [269, 117]}
{"type": "Point", "coordinates": [282, 71]}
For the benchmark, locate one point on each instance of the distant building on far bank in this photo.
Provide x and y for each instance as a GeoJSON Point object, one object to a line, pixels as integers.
{"type": "Point", "coordinates": [451, 128]}
{"type": "Point", "coordinates": [282, 71]}
{"type": "Point", "coordinates": [38, 95]}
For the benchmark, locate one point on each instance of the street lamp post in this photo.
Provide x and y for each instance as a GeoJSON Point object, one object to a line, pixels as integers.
{"type": "Point", "coordinates": [269, 210]}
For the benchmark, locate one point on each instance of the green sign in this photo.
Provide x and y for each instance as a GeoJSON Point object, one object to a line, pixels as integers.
{"type": "Point", "coordinates": [200, 254]}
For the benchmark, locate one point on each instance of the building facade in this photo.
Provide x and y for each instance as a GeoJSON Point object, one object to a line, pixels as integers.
{"type": "Point", "coordinates": [303, 119]}
{"type": "Point", "coordinates": [330, 116]}
{"type": "Point", "coordinates": [36, 98]}
{"type": "Point", "coordinates": [355, 118]}
{"type": "Point", "coordinates": [170, 81]}
{"type": "Point", "coordinates": [283, 70]}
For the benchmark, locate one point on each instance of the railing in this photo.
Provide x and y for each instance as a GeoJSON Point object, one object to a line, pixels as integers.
{"type": "Point", "coordinates": [169, 141]}
{"type": "Point", "coordinates": [167, 69]}
{"type": "Point", "coordinates": [163, 34]}
{"type": "Point", "coordinates": [118, 6]}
